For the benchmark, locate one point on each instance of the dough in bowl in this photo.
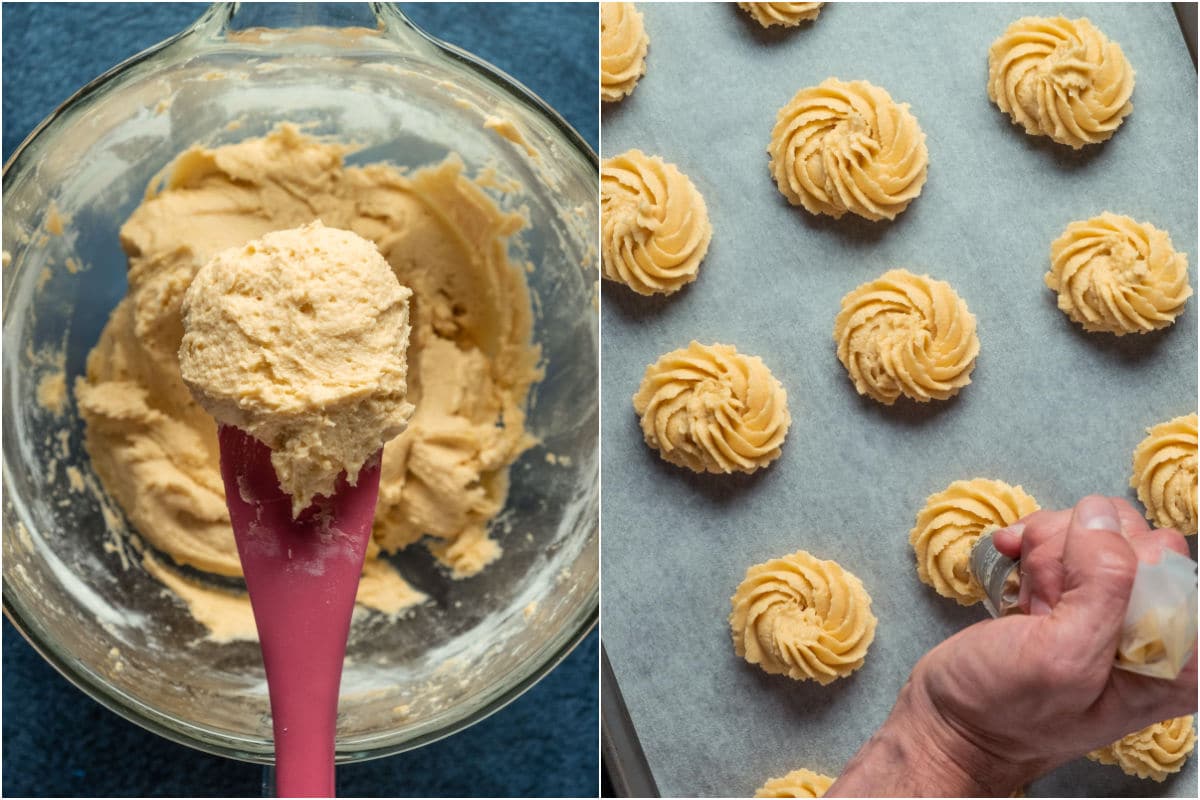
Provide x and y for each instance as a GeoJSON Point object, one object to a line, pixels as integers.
{"type": "Point", "coordinates": [623, 46]}
{"type": "Point", "coordinates": [786, 14]}
{"type": "Point", "coordinates": [848, 147]}
{"type": "Point", "coordinates": [1060, 78]}
{"type": "Point", "coordinates": [906, 334]}
{"type": "Point", "coordinates": [797, 783]}
{"type": "Point", "coordinates": [1115, 275]}
{"type": "Point", "coordinates": [470, 359]}
{"type": "Point", "coordinates": [950, 524]}
{"type": "Point", "coordinates": [1164, 474]}
{"type": "Point", "coordinates": [1153, 752]}
{"type": "Point", "coordinates": [655, 228]}
{"type": "Point", "coordinates": [711, 409]}
{"type": "Point", "coordinates": [802, 617]}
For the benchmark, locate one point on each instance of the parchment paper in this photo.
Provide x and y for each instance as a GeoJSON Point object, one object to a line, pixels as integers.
{"type": "Point", "coordinates": [1050, 407]}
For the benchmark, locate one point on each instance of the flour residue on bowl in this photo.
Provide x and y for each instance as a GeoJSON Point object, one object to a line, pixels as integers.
{"type": "Point", "coordinates": [472, 360]}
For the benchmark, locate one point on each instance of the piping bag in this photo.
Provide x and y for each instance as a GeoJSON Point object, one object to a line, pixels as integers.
{"type": "Point", "coordinates": [1159, 631]}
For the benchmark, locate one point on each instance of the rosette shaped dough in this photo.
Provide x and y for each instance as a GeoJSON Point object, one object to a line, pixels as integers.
{"type": "Point", "coordinates": [1154, 752]}
{"type": "Point", "coordinates": [654, 222]}
{"type": "Point", "coordinates": [1164, 474]}
{"type": "Point", "coordinates": [711, 409]}
{"type": "Point", "coordinates": [906, 334]}
{"type": "Point", "coordinates": [797, 783]}
{"type": "Point", "coordinates": [950, 524]}
{"type": "Point", "coordinates": [1115, 275]}
{"type": "Point", "coordinates": [802, 617]}
{"type": "Point", "coordinates": [623, 46]}
{"type": "Point", "coordinates": [789, 15]}
{"type": "Point", "coordinates": [1060, 78]}
{"type": "Point", "coordinates": [840, 147]}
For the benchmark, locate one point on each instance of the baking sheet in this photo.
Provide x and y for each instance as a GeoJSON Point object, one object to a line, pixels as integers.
{"type": "Point", "coordinates": [1050, 407]}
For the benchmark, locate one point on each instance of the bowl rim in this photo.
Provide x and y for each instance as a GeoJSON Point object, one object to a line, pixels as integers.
{"type": "Point", "coordinates": [203, 738]}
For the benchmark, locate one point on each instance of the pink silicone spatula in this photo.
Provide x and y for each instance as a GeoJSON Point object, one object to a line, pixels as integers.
{"type": "Point", "coordinates": [302, 575]}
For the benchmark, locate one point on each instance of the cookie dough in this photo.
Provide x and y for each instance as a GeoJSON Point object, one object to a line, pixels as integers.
{"type": "Point", "coordinates": [300, 340]}
{"type": "Point", "coordinates": [655, 228]}
{"type": "Point", "coordinates": [1164, 474]}
{"type": "Point", "coordinates": [797, 783]}
{"type": "Point", "coordinates": [470, 359]}
{"type": "Point", "coordinates": [1154, 752]}
{"type": "Point", "coordinates": [785, 14]}
{"type": "Point", "coordinates": [950, 524]}
{"type": "Point", "coordinates": [1115, 275]}
{"type": "Point", "coordinates": [623, 46]}
{"type": "Point", "coordinates": [802, 617]}
{"type": "Point", "coordinates": [711, 409]}
{"type": "Point", "coordinates": [848, 147]}
{"type": "Point", "coordinates": [1060, 78]}
{"type": "Point", "coordinates": [906, 334]}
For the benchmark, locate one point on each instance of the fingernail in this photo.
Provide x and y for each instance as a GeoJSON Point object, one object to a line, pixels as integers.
{"type": "Point", "coordinates": [1007, 540]}
{"type": "Point", "coordinates": [1038, 606]}
{"type": "Point", "coordinates": [1011, 533]}
{"type": "Point", "coordinates": [1097, 514]}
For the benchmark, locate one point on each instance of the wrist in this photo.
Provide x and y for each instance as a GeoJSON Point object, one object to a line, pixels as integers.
{"type": "Point", "coordinates": [919, 753]}
{"type": "Point", "coordinates": [977, 765]}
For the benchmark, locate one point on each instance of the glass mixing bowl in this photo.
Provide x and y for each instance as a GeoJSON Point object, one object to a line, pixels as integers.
{"type": "Point", "coordinates": [72, 584]}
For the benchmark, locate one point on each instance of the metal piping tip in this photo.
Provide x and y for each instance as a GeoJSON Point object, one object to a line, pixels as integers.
{"type": "Point", "coordinates": [998, 575]}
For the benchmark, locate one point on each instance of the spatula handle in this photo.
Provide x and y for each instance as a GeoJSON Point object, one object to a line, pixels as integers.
{"type": "Point", "coordinates": [302, 575]}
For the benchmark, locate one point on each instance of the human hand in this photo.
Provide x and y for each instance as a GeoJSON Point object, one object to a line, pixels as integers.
{"type": "Point", "coordinates": [1008, 699]}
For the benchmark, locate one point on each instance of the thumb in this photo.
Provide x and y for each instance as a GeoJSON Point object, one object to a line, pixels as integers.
{"type": "Point", "coordinates": [1098, 570]}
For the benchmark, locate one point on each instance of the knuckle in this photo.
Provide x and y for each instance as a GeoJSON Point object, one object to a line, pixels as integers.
{"type": "Point", "coordinates": [1041, 568]}
{"type": "Point", "coordinates": [1042, 527]}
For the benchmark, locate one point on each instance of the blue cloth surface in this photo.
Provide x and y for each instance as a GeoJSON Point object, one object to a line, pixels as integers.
{"type": "Point", "coordinates": [59, 742]}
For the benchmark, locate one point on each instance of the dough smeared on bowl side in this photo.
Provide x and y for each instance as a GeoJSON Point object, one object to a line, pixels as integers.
{"type": "Point", "coordinates": [654, 223]}
{"type": "Point", "coordinates": [843, 147]}
{"type": "Point", "coordinates": [785, 14]}
{"type": "Point", "coordinates": [1164, 474]}
{"type": "Point", "coordinates": [623, 46]}
{"type": "Point", "coordinates": [906, 334]}
{"type": "Point", "coordinates": [711, 409]}
{"type": "Point", "coordinates": [1115, 275]}
{"type": "Point", "coordinates": [802, 617]}
{"type": "Point", "coordinates": [1060, 78]}
{"type": "Point", "coordinates": [797, 783]}
{"type": "Point", "coordinates": [950, 524]}
{"type": "Point", "coordinates": [1153, 752]}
